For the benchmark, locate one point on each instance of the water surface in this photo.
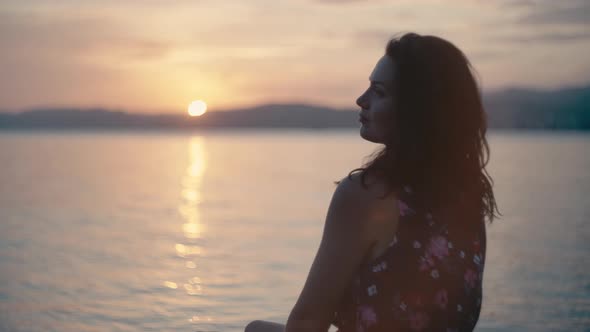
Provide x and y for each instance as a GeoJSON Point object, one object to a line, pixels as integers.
{"type": "Point", "coordinates": [206, 231]}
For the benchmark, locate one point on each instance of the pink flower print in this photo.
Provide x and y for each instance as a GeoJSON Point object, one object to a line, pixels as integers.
{"type": "Point", "coordinates": [418, 321]}
{"type": "Point", "coordinates": [404, 209]}
{"type": "Point", "coordinates": [426, 262]}
{"type": "Point", "coordinates": [430, 219]}
{"type": "Point", "coordinates": [434, 273]}
{"type": "Point", "coordinates": [477, 259]}
{"type": "Point", "coordinates": [441, 298]}
{"type": "Point", "coordinates": [470, 277]}
{"type": "Point", "coordinates": [403, 306]}
{"type": "Point", "coordinates": [439, 247]}
{"type": "Point", "coordinates": [394, 241]}
{"type": "Point", "coordinates": [372, 290]}
{"type": "Point", "coordinates": [380, 267]}
{"type": "Point", "coordinates": [368, 316]}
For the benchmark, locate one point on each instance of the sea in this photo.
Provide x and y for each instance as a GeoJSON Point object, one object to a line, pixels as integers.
{"type": "Point", "coordinates": [208, 230]}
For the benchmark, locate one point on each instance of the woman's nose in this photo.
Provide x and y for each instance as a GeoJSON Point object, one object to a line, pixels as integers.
{"type": "Point", "coordinates": [361, 101]}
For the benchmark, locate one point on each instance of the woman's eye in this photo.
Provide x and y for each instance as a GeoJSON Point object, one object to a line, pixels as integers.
{"type": "Point", "coordinates": [378, 92]}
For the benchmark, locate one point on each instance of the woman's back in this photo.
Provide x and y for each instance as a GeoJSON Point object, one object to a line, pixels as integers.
{"type": "Point", "coordinates": [414, 260]}
{"type": "Point", "coordinates": [428, 279]}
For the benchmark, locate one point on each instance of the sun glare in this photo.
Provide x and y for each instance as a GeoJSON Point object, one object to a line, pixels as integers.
{"type": "Point", "coordinates": [197, 108]}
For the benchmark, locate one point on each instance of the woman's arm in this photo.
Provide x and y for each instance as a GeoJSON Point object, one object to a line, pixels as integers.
{"type": "Point", "coordinates": [350, 230]}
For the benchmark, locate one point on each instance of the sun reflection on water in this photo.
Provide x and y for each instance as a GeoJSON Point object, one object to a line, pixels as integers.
{"type": "Point", "coordinates": [170, 284]}
{"type": "Point", "coordinates": [191, 194]}
{"type": "Point", "coordinates": [189, 209]}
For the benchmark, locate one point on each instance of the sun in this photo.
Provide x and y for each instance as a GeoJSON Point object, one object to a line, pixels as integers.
{"type": "Point", "coordinates": [197, 108]}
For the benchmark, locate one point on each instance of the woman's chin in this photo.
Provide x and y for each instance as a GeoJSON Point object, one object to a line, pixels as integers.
{"type": "Point", "coordinates": [366, 134]}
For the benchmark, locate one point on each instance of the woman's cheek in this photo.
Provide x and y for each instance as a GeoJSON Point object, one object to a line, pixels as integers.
{"type": "Point", "coordinates": [384, 122]}
{"type": "Point", "coordinates": [383, 116]}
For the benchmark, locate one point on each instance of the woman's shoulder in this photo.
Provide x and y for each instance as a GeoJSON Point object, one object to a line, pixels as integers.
{"type": "Point", "coordinates": [366, 199]}
{"type": "Point", "coordinates": [365, 184]}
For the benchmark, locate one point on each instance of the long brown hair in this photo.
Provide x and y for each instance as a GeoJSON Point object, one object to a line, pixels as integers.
{"type": "Point", "coordinates": [438, 144]}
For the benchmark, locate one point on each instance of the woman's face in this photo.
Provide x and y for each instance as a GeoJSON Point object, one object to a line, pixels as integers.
{"type": "Point", "coordinates": [377, 103]}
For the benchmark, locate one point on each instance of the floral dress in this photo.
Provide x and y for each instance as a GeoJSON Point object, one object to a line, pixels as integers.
{"type": "Point", "coordinates": [428, 279]}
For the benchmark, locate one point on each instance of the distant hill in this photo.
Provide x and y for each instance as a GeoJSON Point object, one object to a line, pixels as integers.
{"type": "Point", "coordinates": [521, 108]}
{"type": "Point", "coordinates": [513, 108]}
{"type": "Point", "coordinates": [272, 115]}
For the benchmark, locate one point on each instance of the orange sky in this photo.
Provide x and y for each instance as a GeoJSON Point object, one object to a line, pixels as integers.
{"type": "Point", "coordinates": [159, 55]}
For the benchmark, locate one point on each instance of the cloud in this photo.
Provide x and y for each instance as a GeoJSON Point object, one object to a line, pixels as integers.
{"type": "Point", "coordinates": [545, 23]}
{"type": "Point", "coordinates": [72, 37]}
{"type": "Point", "coordinates": [371, 38]}
{"type": "Point", "coordinates": [547, 37]}
{"type": "Point", "coordinates": [486, 55]}
{"type": "Point", "coordinates": [54, 59]}
{"type": "Point", "coordinates": [557, 12]}
{"type": "Point", "coordinates": [157, 52]}
{"type": "Point", "coordinates": [541, 22]}
{"type": "Point", "coordinates": [372, 2]}
{"type": "Point", "coordinates": [336, 2]}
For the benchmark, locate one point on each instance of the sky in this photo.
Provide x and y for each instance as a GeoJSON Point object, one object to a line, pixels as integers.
{"type": "Point", "coordinates": [156, 56]}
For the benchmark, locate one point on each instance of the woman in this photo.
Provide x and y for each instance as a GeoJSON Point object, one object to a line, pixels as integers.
{"type": "Point", "coordinates": [404, 242]}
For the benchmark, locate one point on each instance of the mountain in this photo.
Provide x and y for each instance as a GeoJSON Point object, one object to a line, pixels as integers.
{"type": "Point", "coordinates": [512, 108]}
{"type": "Point", "coordinates": [264, 116]}
{"type": "Point", "coordinates": [521, 108]}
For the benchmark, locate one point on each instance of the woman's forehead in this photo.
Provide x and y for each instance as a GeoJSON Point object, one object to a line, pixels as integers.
{"type": "Point", "coordinates": [383, 71]}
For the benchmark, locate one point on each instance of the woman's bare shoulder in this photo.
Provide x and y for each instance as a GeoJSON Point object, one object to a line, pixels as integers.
{"type": "Point", "coordinates": [377, 213]}
{"type": "Point", "coordinates": [366, 185]}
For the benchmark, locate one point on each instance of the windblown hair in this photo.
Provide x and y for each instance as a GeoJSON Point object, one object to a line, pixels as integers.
{"type": "Point", "coordinates": [438, 144]}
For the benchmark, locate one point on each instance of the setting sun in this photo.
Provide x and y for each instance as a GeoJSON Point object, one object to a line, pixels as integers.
{"type": "Point", "coordinates": [197, 108]}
